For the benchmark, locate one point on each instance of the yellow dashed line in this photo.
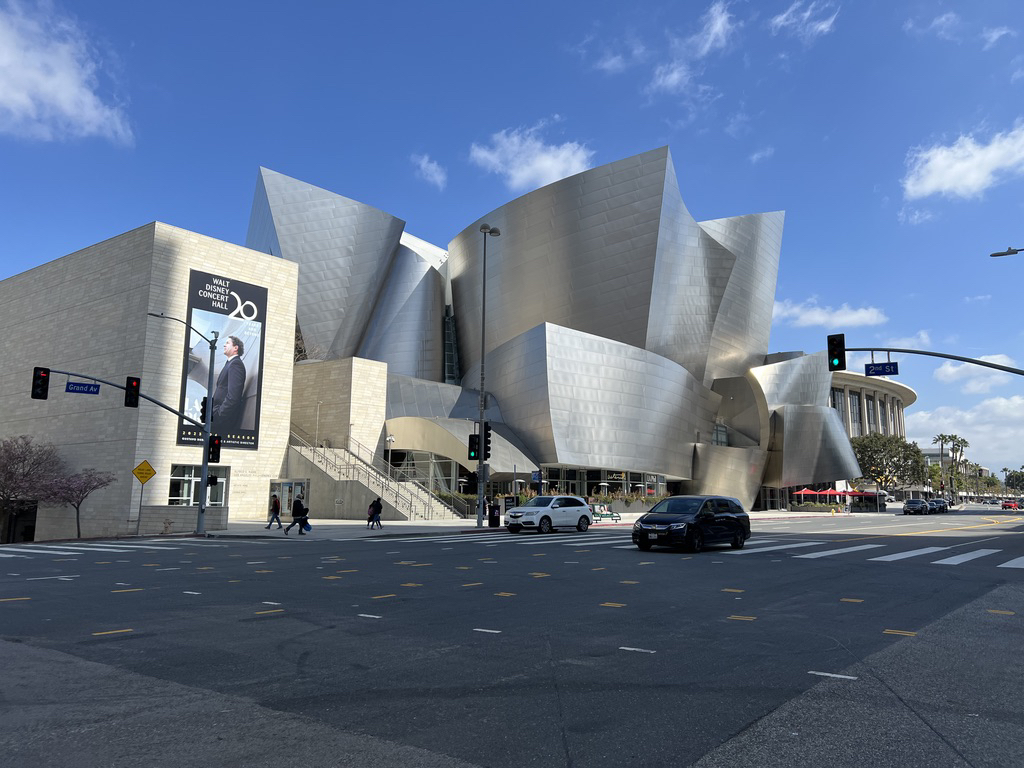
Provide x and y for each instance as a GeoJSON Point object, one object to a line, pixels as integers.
{"type": "Point", "coordinates": [13, 599]}
{"type": "Point", "coordinates": [275, 610]}
{"type": "Point", "coordinates": [650, 562]}
{"type": "Point", "coordinates": [420, 565]}
{"type": "Point", "coordinates": [990, 610]}
{"type": "Point", "coordinates": [234, 581]}
{"type": "Point", "coordinates": [540, 554]}
{"type": "Point", "coordinates": [331, 577]}
{"type": "Point", "coordinates": [135, 589]}
{"type": "Point", "coordinates": [743, 618]}
{"type": "Point", "coordinates": [205, 568]}
{"type": "Point", "coordinates": [350, 570]}
{"type": "Point", "coordinates": [112, 632]}
{"type": "Point", "coordinates": [899, 632]}
{"type": "Point", "coordinates": [151, 565]}
{"type": "Point", "coordinates": [613, 605]}
{"type": "Point", "coordinates": [103, 562]}
{"type": "Point", "coordinates": [463, 567]}
{"type": "Point", "coordinates": [412, 584]}
{"type": "Point", "coordinates": [539, 575]}
{"type": "Point", "coordinates": [263, 571]}
{"type": "Point", "coordinates": [581, 550]}
{"type": "Point", "coordinates": [629, 582]}
{"type": "Point", "coordinates": [381, 597]}
{"type": "Point", "coordinates": [599, 569]}
{"type": "Point", "coordinates": [473, 584]}
{"type": "Point", "coordinates": [728, 589]}
{"type": "Point", "coordinates": [504, 594]}
{"type": "Point", "coordinates": [850, 600]}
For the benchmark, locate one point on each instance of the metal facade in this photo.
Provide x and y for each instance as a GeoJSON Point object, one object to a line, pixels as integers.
{"type": "Point", "coordinates": [621, 333]}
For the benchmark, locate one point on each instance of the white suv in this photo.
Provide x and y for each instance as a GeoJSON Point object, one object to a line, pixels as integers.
{"type": "Point", "coordinates": [545, 513]}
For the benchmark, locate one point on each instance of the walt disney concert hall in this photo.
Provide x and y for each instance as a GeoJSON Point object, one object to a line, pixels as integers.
{"type": "Point", "coordinates": [625, 344]}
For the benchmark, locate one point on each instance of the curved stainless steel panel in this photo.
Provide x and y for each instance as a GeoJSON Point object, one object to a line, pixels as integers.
{"type": "Point", "coordinates": [343, 248]}
{"type": "Point", "coordinates": [728, 471]}
{"type": "Point", "coordinates": [809, 445]}
{"type": "Point", "coordinates": [801, 381]}
{"type": "Point", "coordinates": [406, 328]}
{"type": "Point", "coordinates": [581, 400]}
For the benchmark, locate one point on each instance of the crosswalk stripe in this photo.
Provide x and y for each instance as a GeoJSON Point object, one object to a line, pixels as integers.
{"type": "Point", "coordinates": [44, 551]}
{"type": "Point", "coordinates": [1017, 562]}
{"type": "Point", "coordinates": [4, 554]}
{"type": "Point", "coordinates": [121, 547]}
{"type": "Point", "coordinates": [830, 552]}
{"type": "Point", "coordinates": [576, 541]}
{"type": "Point", "coordinates": [594, 542]}
{"type": "Point", "coordinates": [957, 559]}
{"type": "Point", "coordinates": [910, 553]}
{"type": "Point", "coordinates": [776, 547]}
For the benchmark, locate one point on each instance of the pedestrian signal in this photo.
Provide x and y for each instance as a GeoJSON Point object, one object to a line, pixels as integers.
{"type": "Point", "coordinates": [40, 383]}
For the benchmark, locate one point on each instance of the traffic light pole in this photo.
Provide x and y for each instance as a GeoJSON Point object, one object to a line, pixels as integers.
{"type": "Point", "coordinates": [204, 474]}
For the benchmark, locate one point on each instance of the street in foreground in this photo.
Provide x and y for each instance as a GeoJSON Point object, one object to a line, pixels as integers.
{"type": "Point", "coordinates": [850, 640]}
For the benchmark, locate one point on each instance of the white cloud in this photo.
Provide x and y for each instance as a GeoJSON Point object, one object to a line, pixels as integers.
{"type": "Point", "coordinates": [676, 75]}
{"type": "Point", "coordinates": [715, 34]}
{"type": "Point", "coordinates": [49, 75]}
{"type": "Point", "coordinates": [526, 162]}
{"type": "Point", "coordinates": [991, 36]}
{"type": "Point", "coordinates": [738, 124]}
{"type": "Point", "coordinates": [619, 57]}
{"type": "Point", "coordinates": [800, 21]}
{"type": "Point", "coordinates": [943, 27]}
{"type": "Point", "coordinates": [983, 297]}
{"type": "Point", "coordinates": [994, 428]}
{"type": "Point", "coordinates": [762, 154]}
{"type": "Point", "coordinates": [430, 171]}
{"type": "Point", "coordinates": [975, 379]}
{"type": "Point", "coordinates": [914, 216]}
{"type": "Point", "coordinates": [964, 168]}
{"type": "Point", "coordinates": [809, 313]}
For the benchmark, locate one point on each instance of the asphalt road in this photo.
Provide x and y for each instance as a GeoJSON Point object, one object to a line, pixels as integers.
{"type": "Point", "coordinates": [870, 640]}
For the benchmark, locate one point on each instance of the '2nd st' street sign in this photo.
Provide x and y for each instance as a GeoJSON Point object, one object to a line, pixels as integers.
{"type": "Point", "coordinates": [81, 388]}
{"type": "Point", "coordinates": [881, 369]}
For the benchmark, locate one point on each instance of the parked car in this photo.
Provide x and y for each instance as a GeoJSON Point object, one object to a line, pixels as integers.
{"type": "Point", "coordinates": [915, 507]}
{"type": "Point", "coordinates": [1010, 504]}
{"type": "Point", "coordinates": [546, 513]}
{"type": "Point", "coordinates": [937, 505]}
{"type": "Point", "coordinates": [692, 522]}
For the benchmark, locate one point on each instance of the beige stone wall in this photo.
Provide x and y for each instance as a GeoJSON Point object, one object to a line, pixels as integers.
{"type": "Point", "coordinates": [352, 396]}
{"type": "Point", "coordinates": [87, 312]}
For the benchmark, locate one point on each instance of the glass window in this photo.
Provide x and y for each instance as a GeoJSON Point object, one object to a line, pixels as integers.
{"type": "Point", "coordinates": [869, 402]}
{"type": "Point", "coordinates": [720, 436]}
{"type": "Point", "coordinates": [855, 422]}
{"type": "Point", "coordinates": [184, 490]}
{"type": "Point", "coordinates": [838, 398]}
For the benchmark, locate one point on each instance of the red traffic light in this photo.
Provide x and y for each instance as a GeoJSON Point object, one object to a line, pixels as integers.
{"type": "Point", "coordinates": [131, 392]}
{"type": "Point", "coordinates": [40, 383]}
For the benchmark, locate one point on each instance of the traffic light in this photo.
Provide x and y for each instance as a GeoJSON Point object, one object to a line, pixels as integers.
{"type": "Point", "coordinates": [40, 383]}
{"type": "Point", "coordinates": [474, 447]}
{"type": "Point", "coordinates": [202, 411]}
{"type": "Point", "coordinates": [131, 392]}
{"type": "Point", "coordinates": [211, 480]}
{"type": "Point", "coordinates": [486, 448]}
{"type": "Point", "coordinates": [837, 352]}
{"type": "Point", "coordinates": [213, 451]}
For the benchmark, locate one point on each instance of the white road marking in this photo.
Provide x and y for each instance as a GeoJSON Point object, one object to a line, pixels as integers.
{"type": "Point", "coordinates": [122, 546]}
{"type": "Point", "coordinates": [910, 553]}
{"type": "Point", "coordinates": [191, 593]}
{"type": "Point", "coordinates": [829, 674]}
{"type": "Point", "coordinates": [1017, 562]}
{"type": "Point", "coordinates": [777, 547]}
{"type": "Point", "coordinates": [488, 631]}
{"type": "Point", "coordinates": [4, 554]}
{"type": "Point", "coordinates": [267, 602]}
{"type": "Point", "coordinates": [635, 650]}
{"type": "Point", "coordinates": [957, 559]}
{"type": "Point", "coordinates": [44, 578]}
{"type": "Point", "coordinates": [168, 569]}
{"type": "Point", "coordinates": [18, 550]}
{"type": "Point", "coordinates": [369, 616]}
{"type": "Point", "coordinates": [830, 552]}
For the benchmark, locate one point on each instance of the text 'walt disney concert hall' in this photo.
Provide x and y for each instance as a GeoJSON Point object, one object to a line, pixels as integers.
{"type": "Point", "coordinates": [625, 345]}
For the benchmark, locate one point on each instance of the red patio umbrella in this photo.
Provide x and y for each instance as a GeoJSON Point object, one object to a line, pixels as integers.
{"type": "Point", "coordinates": [805, 491]}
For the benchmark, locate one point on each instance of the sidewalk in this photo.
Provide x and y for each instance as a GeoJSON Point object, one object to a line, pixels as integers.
{"type": "Point", "coordinates": [356, 529]}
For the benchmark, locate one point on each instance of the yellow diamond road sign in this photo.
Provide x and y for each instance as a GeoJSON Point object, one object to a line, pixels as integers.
{"type": "Point", "coordinates": [144, 472]}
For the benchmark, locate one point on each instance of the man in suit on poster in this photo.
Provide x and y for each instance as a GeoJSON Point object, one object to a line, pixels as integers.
{"type": "Point", "coordinates": [228, 402]}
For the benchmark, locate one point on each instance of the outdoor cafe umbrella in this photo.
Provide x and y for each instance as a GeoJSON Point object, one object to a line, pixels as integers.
{"type": "Point", "coordinates": [805, 492]}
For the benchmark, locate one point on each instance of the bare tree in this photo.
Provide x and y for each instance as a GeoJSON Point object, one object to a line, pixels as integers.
{"type": "Point", "coordinates": [27, 471]}
{"type": "Point", "coordinates": [75, 489]}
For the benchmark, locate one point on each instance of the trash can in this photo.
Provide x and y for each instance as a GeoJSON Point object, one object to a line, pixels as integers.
{"type": "Point", "coordinates": [494, 516]}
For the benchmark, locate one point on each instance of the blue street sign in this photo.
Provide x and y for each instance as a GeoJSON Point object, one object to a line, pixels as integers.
{"type": "Point", "coordinates": [882, 369]}
{"type": "Point", "coordinates": [535, 477]}
{"type": "Point", "coordinates": [81, 388]}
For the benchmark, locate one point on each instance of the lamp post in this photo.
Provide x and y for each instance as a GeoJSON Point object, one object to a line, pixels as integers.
{"type": "Point", "coordinates": [204, 475]}
{"type": "Point", "coordinates": [1007, 252]}
{"type": "Point", "coordinates": [487, 231]}
{"type": "Point", "coordinates": [316, 434]}
{"type": "Point", "coordinates": [390, 442]}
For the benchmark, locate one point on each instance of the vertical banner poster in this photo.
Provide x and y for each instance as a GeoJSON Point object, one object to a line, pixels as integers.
{"type": "Point", "coordinates": [236, 312]}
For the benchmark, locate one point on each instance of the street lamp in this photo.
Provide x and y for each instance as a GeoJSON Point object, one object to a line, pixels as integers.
{"type": "Point", "coordinates": [316, 434]}
{"type": "Point", "coordinates": [487, 231]}
{"type": "Point", "coordinates": [1007, 252]}
{"type": "Point", "coordinates": [205, 473]}
{"type": "Point", "coordinates": [390, 442]}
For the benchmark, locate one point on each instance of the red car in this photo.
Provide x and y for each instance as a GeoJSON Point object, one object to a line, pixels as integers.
{"type": "Point", "coordinates": [1009, 504]}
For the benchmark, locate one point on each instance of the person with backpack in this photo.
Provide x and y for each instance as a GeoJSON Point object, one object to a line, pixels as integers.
{"type": "Point", "coordinates": [373, 513]}
{"type": "Point", "coordinates": [299, 515]}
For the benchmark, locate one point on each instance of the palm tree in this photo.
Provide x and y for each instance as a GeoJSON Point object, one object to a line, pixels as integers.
{"type": "Point", "coordinates": [1005, 470]}
{"type": "Point", "coordinates": [958, 444]}
{"type": "Point", "coordinates": [943, 440]}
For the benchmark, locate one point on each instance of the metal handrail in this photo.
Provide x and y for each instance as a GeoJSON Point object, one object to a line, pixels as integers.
{"type": "Point", "coordinates": [421, 503]}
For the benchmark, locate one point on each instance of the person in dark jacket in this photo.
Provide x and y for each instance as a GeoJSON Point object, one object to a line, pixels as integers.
{"type": "Point", "coordinates": [299, 515]}
{"type": "Point", "coordinates": [375, 509]}
{"type": "Point", "coordinates": [275, 511]}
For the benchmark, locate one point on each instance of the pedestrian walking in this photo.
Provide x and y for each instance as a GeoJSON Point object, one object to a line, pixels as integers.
{"type": "Point", "coordinates": [375, 509]}
{"type": "Point", "coordinates": [275, 511]}
{"type": "Point", "coordinates": [299, 516]}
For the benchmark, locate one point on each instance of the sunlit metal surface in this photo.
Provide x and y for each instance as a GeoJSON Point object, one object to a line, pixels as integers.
{"type": "Point", "coordinates": [621, 333]}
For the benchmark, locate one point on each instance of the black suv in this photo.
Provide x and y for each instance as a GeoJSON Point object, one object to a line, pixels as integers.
{"type": "Point", "coordinates": [692, 522]}
{"type": "Point", "coordinates": [915, 507]}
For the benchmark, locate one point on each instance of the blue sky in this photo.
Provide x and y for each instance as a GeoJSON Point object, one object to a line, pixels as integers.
{"type": "Point", "coordinates": [891, 133]}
